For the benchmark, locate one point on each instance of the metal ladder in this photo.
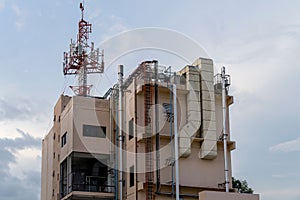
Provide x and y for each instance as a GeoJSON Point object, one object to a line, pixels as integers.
{"type": "Point", "coordinates": [149, 175]}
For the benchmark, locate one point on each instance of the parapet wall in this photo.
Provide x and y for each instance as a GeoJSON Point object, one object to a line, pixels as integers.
{"type": "Point", "coordinates": [210, 195]}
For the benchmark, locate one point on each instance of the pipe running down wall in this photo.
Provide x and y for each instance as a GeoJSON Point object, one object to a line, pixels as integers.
{"type": "Point", "coordinates": [120, 73]}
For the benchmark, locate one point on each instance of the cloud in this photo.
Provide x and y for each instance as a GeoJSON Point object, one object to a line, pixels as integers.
{"type": "Point", "coordinates": [22, 112]}
{"type": "Point", "coordinates": [113, 26]}
{"type": "Point", "coordinates": [261, 60]}
{"type": "Point", "coordinates": [20, 17]}
{"type": "Point", "coordinates": [20, 143]}
{"type": "Point", "coordinates": [118, 24]}
{"type": "Point", "coordinates": [20, 109]}
{"type": "Point", "coordinates": [118, 27]}
{"type": "Point", "coordinates": [13, 187]}
{"type": "Point", "coordinates": [288, 146]}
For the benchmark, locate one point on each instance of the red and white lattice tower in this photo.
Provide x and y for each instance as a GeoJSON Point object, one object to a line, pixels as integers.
{"type": "Point", "coordinates": [82, 59]}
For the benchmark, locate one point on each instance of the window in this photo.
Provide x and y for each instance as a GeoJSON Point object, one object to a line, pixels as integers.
{"type": "Point", "coordinates": [131, 134]}
{"type": "Point", "coordinates": [131, 178]}
{"type": "Point", "coordinates": [94, 131]}
{"type": "Point", "coordinates": [168, 112]}
{"type": "Point", "coordinates": [64, 139]}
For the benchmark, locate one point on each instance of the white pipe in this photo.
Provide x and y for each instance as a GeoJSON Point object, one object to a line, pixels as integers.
{"type": "Point", "coordinates": [224, 108]}
{"type": "Point", "coordinates": [176, 141]}
{"type": "Point", "coordinates": [120, 74]}
{"type": "Point", "coordinates": [109, 176]}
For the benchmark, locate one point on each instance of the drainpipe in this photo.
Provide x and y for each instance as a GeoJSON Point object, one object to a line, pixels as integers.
{"type": "Point", "coordinates": [176, 141]}
{"type": "Point", "coordinates": [111, 147]}
{"type": "Point", "coordinates": [225, 134]}
{"type": "Point", "coordinates": [157, 139]}
{"type": "Point", "coordinates": [117, 153]}
{"type": "Point", "coordinates": [120, 74]}
{"type": "Point", "coordinates": [171, 136]}
{"type": "Point", "coordinates": [136, 141]}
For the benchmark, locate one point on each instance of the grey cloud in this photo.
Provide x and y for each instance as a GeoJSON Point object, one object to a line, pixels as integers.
{"type": "Point", "coordinates": [25, 141]}
{"type": "Point", "coordinates": [5, 157]}
{"type": "Point", "coordinates": [288, 146]}
{"type": "Point", "coordinates": [20, 109]}
{"type": "Point", "coordinates": [12, 187]}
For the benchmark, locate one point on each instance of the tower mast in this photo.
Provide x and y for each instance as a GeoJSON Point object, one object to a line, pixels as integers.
{"type": "Point", "coordinates": [82, 59]}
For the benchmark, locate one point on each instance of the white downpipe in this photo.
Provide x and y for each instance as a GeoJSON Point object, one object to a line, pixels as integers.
{"type": "Point", "coordinates": [109, 176]}
{"type": "Point", "coordinates": [176, 141]}
{"type": "Point", "coordinates": [224, 108]}
{"type": "Point", "coordinates": [120, 74]}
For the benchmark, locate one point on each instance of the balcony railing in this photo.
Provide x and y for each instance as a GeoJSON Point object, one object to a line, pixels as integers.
{"type": "Point", "coordinates": [83, 183]}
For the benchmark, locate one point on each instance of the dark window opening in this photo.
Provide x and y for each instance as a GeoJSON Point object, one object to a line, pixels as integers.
{"type": "Point", "coordinates": [94, 131]}
{"type": "Point", "coordinates": [63, 186]}
{"type": "Point", "coordinates": [183, 79]}
{"type": "Point", "coordinates": [64, 139]}
{"type": "Point", "coordinates": [131, 178]}
{"type": "Point", "coordinates": [131, 129]}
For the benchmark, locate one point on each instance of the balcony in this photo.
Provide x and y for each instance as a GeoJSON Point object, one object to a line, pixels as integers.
{"type": "Point", "coordinates": [85, 176]}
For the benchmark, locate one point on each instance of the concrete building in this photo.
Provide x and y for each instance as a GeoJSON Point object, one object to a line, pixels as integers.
{"type": "Point", "coordinates": [80, 158]}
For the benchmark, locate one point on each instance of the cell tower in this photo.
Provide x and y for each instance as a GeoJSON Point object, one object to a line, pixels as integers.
{"type": "Point", "coordinates": [82, 59]}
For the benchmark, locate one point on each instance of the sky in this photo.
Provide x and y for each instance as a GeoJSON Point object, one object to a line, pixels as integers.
{"type": "Point", "coordinates": [257, 41]}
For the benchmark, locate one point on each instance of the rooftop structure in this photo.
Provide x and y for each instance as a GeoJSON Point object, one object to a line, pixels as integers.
{"type": "Point", "coordinates": [82, 59]}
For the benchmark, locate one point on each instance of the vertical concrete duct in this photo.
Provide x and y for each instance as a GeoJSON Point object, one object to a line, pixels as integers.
{"type": "Point", "coordinates": [208, 148]}
{"type": "Point", "coordinates": [193, 125]}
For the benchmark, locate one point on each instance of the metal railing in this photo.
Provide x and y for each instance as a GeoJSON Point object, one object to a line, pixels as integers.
{"type": "Point", "coordinates": [84, 183]}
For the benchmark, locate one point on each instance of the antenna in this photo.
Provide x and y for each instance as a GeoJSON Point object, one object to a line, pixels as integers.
{"type": "Point", "coordinates": [81, 6]}
{"type": "Point", "coordinates": [82, 59]}
{"type": "Point", "coordinates": [225, 86]}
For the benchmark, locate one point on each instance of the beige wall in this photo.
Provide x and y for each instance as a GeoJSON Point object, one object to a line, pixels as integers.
{"type": "Point", "coordinates": [194, 172]}
{"type": "Point", "coordinates": [80, 111]}
{"type": "Point", "coordinates": [47, 166]}
{"type": "Point", "coordinates": [209, 195]}
{"type": "Point", "coordinates": [51, 154]}
{"type": "Point", "coordinates": [70, 115]}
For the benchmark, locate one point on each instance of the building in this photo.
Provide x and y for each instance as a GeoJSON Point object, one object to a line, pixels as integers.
{"type": "Point", "coordinates": [159, 134]}
{"type": "Point", "coordinates": [80, 158]}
